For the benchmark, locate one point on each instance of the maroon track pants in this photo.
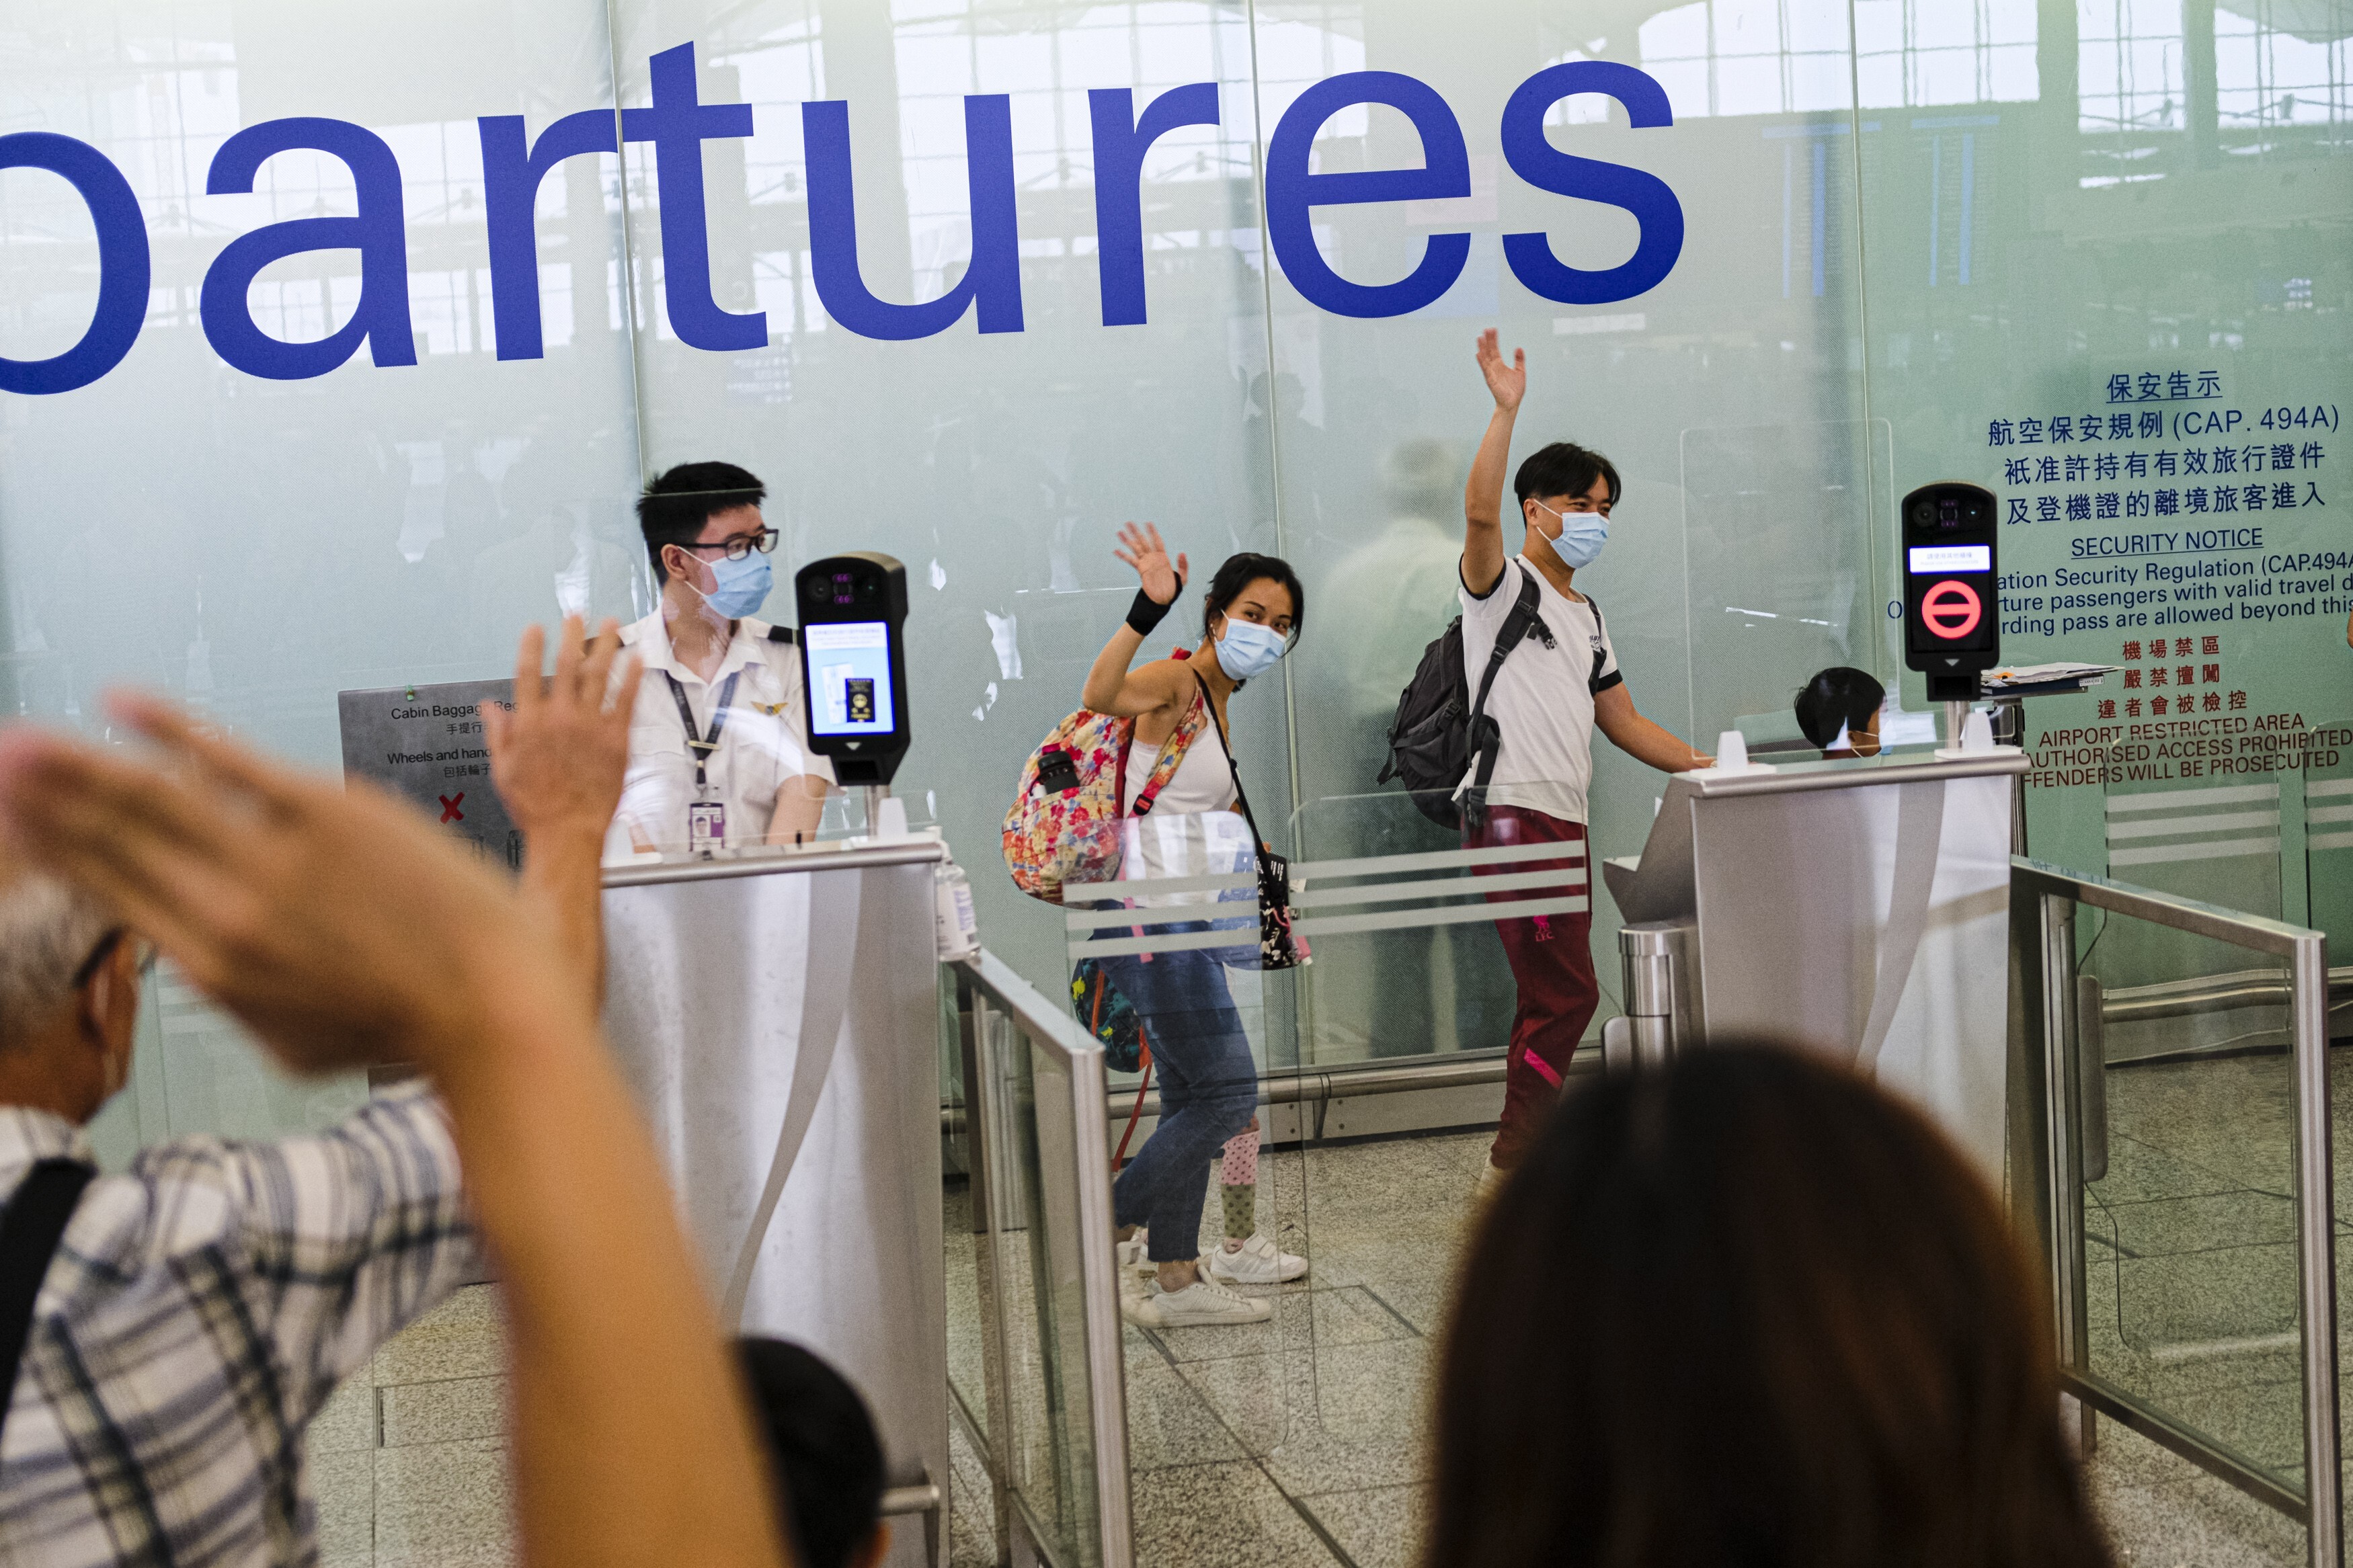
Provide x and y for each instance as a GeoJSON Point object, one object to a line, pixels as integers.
{"type": "Point", "coordinates": [1552, 961]}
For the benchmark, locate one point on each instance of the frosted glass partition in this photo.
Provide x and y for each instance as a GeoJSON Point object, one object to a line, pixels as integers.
{"type": "Point", "coordinates": [2046, 315]}
{"type": "Point", "coordinates": [893, 151]}
{"type": "Point", "coordinates": [1427, 976]}
{"type": "Point", "coordinates": [974, 284]}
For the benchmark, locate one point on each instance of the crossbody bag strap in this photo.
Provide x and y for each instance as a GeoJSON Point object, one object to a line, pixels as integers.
{"type": "Point", "coordinates": [1164, 768]}
{"type": "Point", "coordinates": [1258, 845]}
{"type": "Point", "coordinates": [29, 1232]}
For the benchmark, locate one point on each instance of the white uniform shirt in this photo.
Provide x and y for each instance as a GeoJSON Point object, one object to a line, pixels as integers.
{"type": "Point", "coordinates": [1542, 696]}
{"type": "Point", "coordinates": [763, 743]}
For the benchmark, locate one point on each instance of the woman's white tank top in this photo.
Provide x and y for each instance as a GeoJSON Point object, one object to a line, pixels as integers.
{"type": "Point", "coordinates": [1202, 781]}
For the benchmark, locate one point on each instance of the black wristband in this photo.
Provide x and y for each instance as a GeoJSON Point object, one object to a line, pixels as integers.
{"type": "Point", "coordinates": [1147, 612]}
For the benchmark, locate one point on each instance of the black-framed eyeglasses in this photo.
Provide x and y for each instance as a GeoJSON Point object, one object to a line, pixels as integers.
{"type": "Point", "coordinates": [104, 950]}
{"type": "Point", "coordinates": [765, 541]}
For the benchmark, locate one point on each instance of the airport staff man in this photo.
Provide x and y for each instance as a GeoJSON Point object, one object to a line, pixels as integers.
{"type": "Point", "coordinates": [719, 750]}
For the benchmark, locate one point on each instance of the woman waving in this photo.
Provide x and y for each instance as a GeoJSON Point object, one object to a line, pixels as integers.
{"type": "Point", "coordinates": [1209, 1083]}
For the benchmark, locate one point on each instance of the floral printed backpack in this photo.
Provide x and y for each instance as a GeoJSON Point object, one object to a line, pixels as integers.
{"type": "Point", "coordinates": [1072, 789]}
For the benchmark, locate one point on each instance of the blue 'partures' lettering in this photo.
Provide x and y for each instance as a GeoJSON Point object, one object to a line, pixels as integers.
{"type": "Point", "coordinates": [1292, 193]}
{"type": "Point", "coordinates": [123, 263]}
{"type": "Point", "coordinates": [513, 168]}
{"type": "Point", "coordinates": [677, 124]}
{"type": "Point", "coordinates": [993, 278]}
{"type": "Point", "coordinates": [1534, 159]}
{"type": "Point", "coordinates": [1120, 141]}
{"type": "Point", "coordinates": [380, 234]}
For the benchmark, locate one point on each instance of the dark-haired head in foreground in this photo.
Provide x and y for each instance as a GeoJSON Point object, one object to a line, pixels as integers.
{"type": "Point", "coordinates": [1750, 1311]}
{"type": "Point", "coordinates": [828, 1460]}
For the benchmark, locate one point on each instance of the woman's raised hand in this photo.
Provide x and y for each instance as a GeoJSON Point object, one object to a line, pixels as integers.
{"type": "Point", "coordinates": [1508, 382]}
{"type": "Point", "coordinates": [1140, 547]}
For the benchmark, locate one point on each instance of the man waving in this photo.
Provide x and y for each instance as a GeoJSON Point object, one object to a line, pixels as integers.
{"type": "Point", "coordinates": [1555, 686]}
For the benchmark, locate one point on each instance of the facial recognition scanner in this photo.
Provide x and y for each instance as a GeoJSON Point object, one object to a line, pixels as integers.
{"type": "Point", "coordinates": [1952, 629]}
{"type": "Point", "coordinates": [853, 611]}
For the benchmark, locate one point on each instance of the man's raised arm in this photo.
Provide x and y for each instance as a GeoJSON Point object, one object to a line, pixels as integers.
{"type": "Point", "coordinates": [1482, 498]}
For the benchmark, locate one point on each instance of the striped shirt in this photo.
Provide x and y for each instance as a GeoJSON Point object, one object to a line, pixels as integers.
{"type": "Point", "coordinates": [201, 1309]}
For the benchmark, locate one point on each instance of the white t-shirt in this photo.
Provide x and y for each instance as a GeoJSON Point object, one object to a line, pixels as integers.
{"type": "Point", "coordinates": [1542, 698]}
{"type": "Point", "coordinates": [762, 743]}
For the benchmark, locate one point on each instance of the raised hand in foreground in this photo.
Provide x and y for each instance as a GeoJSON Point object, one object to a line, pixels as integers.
{"type": "Point", "coordinates": [558, 758]}
{"type": "Point", "coordinates": [344, 930]}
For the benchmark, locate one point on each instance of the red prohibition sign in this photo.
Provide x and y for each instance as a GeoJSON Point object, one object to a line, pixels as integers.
{"type": "Point", "coordinates": [1951, 610]}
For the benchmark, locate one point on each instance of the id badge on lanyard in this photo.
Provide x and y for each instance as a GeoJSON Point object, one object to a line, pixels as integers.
{"type": "Point", "coordinates": [706, 819]}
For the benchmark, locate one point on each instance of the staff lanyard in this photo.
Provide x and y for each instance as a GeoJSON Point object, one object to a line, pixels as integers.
{"type": "Point", "coordinates": [703, 747]}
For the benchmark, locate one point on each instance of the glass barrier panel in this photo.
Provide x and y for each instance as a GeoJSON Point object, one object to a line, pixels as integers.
{"type": "Point", "coordinates": [1201, 1146]}
{"type": "Point", "coordinates": [2188, 1207]}
{"type": "Point", "coordinates": [969, 1287]}
{"type": "Point", "coordinates": [2217, 843]}
{"type": "Point", "coordinates": [1403, 991]}
{"type": "Point", "coordinates": [1195, 962]}
{"type": "Point", "coordinates": [2328, 859]}
{"type": "Point", "coordinates": [1410, 958]}
{"type": "Point", "coordinates": [1048, 1444]}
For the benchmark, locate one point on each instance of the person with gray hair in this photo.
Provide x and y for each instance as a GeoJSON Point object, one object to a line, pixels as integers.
{"type": "Point", "coordinates": [168, 1331]}
{"type": "Point", "coordinates": [68, 999]}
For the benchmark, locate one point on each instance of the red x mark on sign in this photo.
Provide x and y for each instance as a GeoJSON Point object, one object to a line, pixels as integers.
{"type": "Point", "coordinates": [450, 811]}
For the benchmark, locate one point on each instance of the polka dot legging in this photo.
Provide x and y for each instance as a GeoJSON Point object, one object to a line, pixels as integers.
{"type": "Point", "coordinates": [1237, 1183]}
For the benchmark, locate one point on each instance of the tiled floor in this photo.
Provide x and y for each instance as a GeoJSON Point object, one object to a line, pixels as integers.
{"type": "Point", "coordinates": [408, 1460]}
{"type": "Point", "coordinates": [1297, 1443]}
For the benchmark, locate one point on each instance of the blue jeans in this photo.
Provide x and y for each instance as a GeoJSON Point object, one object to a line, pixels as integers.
{"type": "Point", "coordinates": [1209, 1091]}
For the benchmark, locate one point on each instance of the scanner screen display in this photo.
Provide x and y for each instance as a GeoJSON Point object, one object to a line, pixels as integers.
{"type": "Point", "coordinates": [850, 676]}
{"type": "Point", "coordinates": [1928, 560]}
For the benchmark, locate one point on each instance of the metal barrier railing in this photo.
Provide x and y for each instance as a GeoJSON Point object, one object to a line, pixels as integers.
{"type": "Point", "coordinates": [2050, 899]}
{"type": "Point", "coordinates": [1054, 1435]}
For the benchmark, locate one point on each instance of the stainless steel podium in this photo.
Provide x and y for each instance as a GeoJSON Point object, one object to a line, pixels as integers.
{"type": "Point", "coordinates": [777, 1016]}
{"type": "Point", "coordinates": [1859, 908]}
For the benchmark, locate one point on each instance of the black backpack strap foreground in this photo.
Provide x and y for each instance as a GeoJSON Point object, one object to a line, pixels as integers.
{"type": "Point", "coordinates": [1484, 733]}
{"type": "Point", "coordinates": [29, 1232]}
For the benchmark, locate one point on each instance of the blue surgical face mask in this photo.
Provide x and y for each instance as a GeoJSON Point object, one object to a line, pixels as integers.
{"type": "Point", "coordinates": [743, 586]}
{"type": "Point", "coordinates": [1247, 649]}
{"type": "Point", "coordinates": [1582, 535]}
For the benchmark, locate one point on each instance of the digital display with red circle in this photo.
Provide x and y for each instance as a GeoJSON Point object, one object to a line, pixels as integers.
{"type": "Point", "coordinates": [1951, 610]}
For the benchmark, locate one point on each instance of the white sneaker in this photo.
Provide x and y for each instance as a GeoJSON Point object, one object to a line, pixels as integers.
{"type": "Point", "coordinates": [1203, 1301]}
{"type": "Point", "coordinates": [1257, 1261]}
{"type": "Point", "coordinates": [1132, 1253]}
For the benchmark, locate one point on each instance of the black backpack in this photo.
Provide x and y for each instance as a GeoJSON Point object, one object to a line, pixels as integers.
{"type": "Point", "coordinates": [1438, 726]}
